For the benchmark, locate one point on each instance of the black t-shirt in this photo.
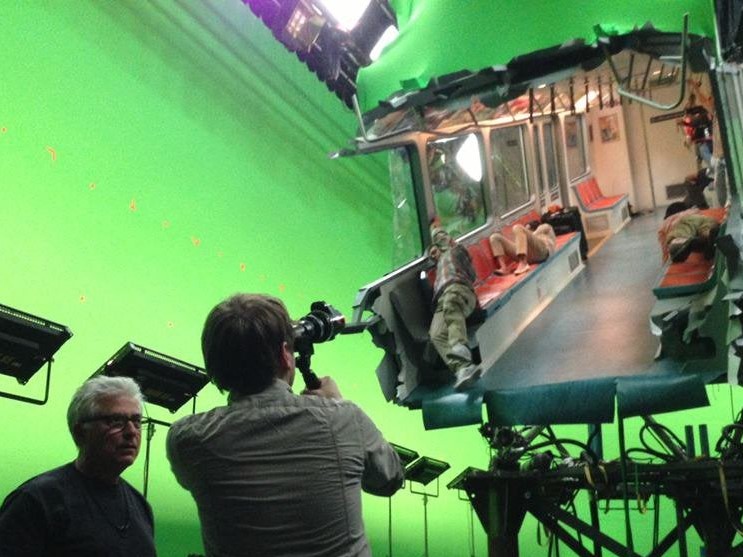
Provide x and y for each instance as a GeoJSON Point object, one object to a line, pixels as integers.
{"type": "Point", "coordinates": [63, 513]}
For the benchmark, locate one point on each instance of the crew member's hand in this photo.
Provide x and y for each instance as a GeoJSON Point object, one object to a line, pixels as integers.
{"type": "Point", "coordinates": [328, 389]}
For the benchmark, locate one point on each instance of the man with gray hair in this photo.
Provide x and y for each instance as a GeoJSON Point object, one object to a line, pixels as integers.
{"type": "Point", "coordinates": [84, 508]}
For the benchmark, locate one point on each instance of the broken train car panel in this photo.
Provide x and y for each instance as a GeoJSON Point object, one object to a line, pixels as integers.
{"type": "Point", "coordinates": [494, 134]}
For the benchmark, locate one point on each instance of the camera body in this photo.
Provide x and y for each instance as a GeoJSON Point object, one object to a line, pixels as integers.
{"type": "Point", "coordinates": [321, 324]}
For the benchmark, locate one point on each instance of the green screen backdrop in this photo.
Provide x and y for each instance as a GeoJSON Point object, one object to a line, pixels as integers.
{"type": "Point", "coordinates": [156, 157]}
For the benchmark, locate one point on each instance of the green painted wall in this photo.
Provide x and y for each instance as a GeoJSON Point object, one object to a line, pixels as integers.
{"type": "Point", "coordinates": [158, 156]}
{"type": "Point", "coordinates": [479, 34]}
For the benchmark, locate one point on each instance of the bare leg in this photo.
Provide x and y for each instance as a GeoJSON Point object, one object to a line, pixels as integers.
{"type": "Point", "coordinates": [502, 247]}
{"type": "Point", "coordinates": [522, 266]}
{"type": "Point", "coordinates": [502, 267]}
{"type": "Point", "coordinates": [531, 248]}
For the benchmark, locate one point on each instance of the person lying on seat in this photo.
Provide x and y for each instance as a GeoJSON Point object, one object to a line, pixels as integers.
{"type": "Point", "coordinates": [532, 244]}
{"type": "Point", "coordinates": [454, 299]}
{"type": "Point", "coordinates": [684, 231]}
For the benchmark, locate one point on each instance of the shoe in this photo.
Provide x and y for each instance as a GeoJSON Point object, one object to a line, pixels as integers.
{"type": "Point", "coordinates": [466, 377]}
{"type": "Point", "coordinates": [679, 249]}
{"type": "Point", "coordinates": [710, 245]}
{"type": "Point", "coordinates": [522, 268]}
{"type": "Point", "coordinates": [461, 351]}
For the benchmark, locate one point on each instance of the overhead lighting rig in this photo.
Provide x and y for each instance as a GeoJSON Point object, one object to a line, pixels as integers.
{"type": "Point", "coordinates": [335, 54]}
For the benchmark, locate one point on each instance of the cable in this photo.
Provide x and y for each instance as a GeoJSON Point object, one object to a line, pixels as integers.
{"type": "Point", "coordinates": [667, 456]}
{"type": "Point", "coordinates": [557, 441]}
{"type": "Point", "coordinates": [728, 442]}
{"type": "Point", "coordinates": [653, 454]}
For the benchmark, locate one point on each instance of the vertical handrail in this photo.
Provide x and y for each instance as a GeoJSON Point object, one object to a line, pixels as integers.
{"type": "Point", "coordinates": [626, 93]}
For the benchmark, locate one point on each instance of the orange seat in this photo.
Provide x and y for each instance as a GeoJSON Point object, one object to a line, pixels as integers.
{"type": "Point", "coordinates": [591, 199]}
{"type": "Point", "coordinates": [482, 261]}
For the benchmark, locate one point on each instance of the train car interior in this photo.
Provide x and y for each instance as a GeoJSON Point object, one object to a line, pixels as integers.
{"type": "Point", "coordinates": [566, 137]}
{"type": "Point", "coordinates": [623, 132]}
{"type": "Point", "coordinates": [620, 134]}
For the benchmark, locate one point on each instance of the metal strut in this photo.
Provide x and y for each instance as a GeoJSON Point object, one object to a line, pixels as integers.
{"type": "Point", "coordinates": [627, 93]}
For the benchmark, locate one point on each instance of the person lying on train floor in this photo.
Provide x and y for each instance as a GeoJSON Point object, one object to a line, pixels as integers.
{"type": "Point", "coordinates": [684, 231]}
{"type": "Point", "coordinates": [528, 246]}
{"type": "Point", "coordinates": [454, 299]}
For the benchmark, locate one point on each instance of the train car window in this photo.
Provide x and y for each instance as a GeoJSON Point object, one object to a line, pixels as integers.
{"type": "Point", "coordinates": [512, 188]}
{"type": "Point", "coordinates": [455, 166]}
{"type": "Point", "coordinates": [575, 150]}
{"type": "Point", "coordinates": [407, 237]}
{"type": "Point", "coordinates": [550, 154]}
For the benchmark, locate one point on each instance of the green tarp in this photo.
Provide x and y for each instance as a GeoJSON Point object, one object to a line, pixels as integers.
{"type": "Point", "coordinates": [440, 37]}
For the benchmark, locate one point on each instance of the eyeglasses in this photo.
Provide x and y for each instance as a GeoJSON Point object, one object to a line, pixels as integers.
{"type": "Point", "coordinates": [116, 422]}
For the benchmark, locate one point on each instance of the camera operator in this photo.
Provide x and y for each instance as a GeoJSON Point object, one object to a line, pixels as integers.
{"type": "Point", "coordinates": [275, 473]}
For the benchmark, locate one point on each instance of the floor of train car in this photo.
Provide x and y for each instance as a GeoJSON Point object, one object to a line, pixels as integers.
{"type": "Point", "coordinates": [598, 326]}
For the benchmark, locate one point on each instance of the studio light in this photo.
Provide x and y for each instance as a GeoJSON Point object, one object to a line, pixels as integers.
{"type": "Point", "coordinates": [165, 381]}
{"type": "Point", "coordinates": [303, 27]}
{"type": "Point", "coordinates": [346, 12]}
{"type": "Point", "coordinates": [425, 470]}
{"type": "Point", "coordinates": [407, 456]}
{"type": "Point", "coordinates": [27, 343]}
{"type": "Point", "coordinates": [389, 35]}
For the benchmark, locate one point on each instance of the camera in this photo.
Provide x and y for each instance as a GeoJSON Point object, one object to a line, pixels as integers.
{"type": "Point", "coordinates": [321, 324]}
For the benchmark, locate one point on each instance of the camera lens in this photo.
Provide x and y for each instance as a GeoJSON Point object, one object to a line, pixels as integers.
{"type": "Point", "coordinates": [323, 323]}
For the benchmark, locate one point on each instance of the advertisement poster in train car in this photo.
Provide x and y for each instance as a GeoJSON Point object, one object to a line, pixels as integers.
{"type": "Point", "coordinates": [609, 126]}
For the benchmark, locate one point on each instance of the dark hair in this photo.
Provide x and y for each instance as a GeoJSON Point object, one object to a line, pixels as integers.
{"type": "Point", "coordinates": [675, 207]}
{"type": "Point", "coordinates": [242, 342]}
{"type": "Point", "coordinates": [703, 178]}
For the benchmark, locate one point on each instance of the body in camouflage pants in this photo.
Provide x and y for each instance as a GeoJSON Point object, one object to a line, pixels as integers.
{"type": "Point", "coordinates": [448, 327]}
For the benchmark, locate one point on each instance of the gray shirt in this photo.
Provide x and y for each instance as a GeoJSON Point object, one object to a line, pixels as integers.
{"type": "Point", "coordinates": [278, 474]}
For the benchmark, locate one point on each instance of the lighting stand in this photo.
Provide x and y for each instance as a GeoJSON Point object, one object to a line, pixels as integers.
{"type": "Point", "coordinates": [458, 484]}
{"type": "Point", "coordinates": [407, 456]}
{"type": "Point", "coordinates": [424, 471]}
